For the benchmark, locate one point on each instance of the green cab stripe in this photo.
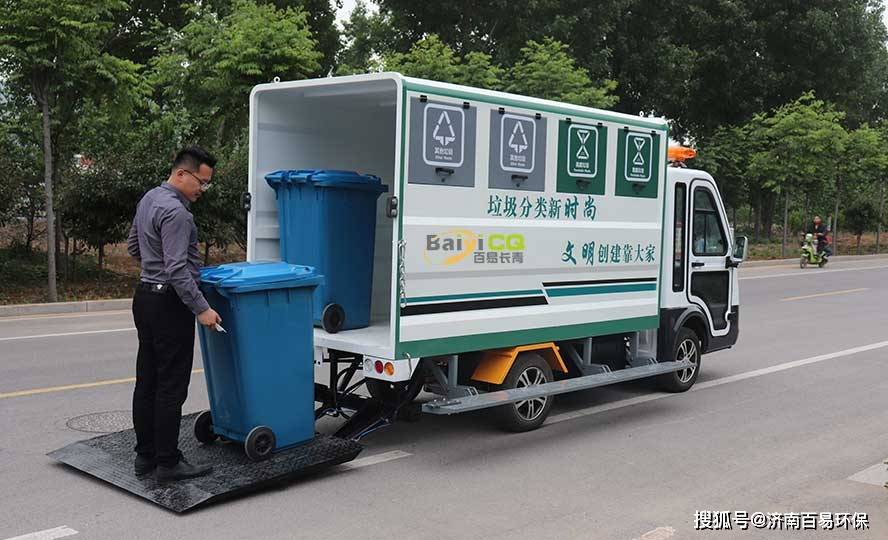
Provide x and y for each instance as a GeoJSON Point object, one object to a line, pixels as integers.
{"type": "Point", "coordinates": [602, 289]}
{"type": "Point", "coordinates": [504, 294]}
{"type": "Point", "coordinates": [497, 340]}
{"type": "Point", "coordinates": [641, 123]}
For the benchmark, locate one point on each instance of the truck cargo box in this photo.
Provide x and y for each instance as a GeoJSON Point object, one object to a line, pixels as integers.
{"type": "Point", "coordinates": [508, 220]}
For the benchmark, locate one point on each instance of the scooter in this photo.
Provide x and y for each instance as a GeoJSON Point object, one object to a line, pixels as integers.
{"type": "Point", "coordinates": [810, 255]}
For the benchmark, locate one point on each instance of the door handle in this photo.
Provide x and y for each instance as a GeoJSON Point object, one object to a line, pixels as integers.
{"type": "Point", "coordinates": [697, 264]}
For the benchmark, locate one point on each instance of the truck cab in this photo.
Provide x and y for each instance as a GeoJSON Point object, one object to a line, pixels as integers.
{"type": "Point", "coordinates": [700, 287]}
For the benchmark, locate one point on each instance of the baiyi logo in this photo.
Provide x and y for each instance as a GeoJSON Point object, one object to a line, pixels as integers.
{"type": "Point", "coordinates": [450, 247]}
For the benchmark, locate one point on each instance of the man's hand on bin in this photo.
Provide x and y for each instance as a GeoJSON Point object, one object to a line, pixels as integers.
{"type": "Point", "coordinates": [209, 318]}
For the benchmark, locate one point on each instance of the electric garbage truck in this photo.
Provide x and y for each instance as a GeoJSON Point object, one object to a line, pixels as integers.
{"type": "Point", "coordinates": [524, 248]}
{"type": "Point", "coordinates": [479, 250]}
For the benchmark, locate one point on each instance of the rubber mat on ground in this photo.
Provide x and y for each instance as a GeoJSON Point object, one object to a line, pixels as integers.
{"type": "Point", "coordinates": [110, 458]}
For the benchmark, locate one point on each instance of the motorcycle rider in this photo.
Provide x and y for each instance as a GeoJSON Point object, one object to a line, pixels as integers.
{"type": "Point", "coordinates": [820, 231]}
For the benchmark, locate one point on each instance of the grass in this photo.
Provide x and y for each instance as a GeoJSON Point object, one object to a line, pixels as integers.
{"type": "Point", "coordinates": [23, 279]}
{"type": "Point", "coordinates": [847, 245]}
{"type": "Point", "coordinates": [23, 273]}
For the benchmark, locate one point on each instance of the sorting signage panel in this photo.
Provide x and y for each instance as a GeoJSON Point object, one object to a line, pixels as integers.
{"type": "Point", "coordinates": [444, 154]}
{"type": "Point", "coordinates": [517, 152]}
{"type": "Point", "coordinates": [638, 163]}
{"type": "Point", "coordinates": [582, 158]}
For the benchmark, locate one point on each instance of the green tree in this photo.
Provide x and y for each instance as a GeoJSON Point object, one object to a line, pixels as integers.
{"type": "Point", "coordinates": [219, 216]}
{"type": "Point", "coordinates": [100, 198]}
{"type": "Point", "coordinates": [430, 58]}
{"type": "Point", "coordinates": [858, 171]}
{"type": "Point", "coordinates": [724, 155]}
{"type": "Point", "coordinates": [502, 28]}
{"type": "Point", "coordinates": [705, 64]}
{"type": "Point", "coordinates": [208, 68]}
{"type": "Point", "coordinates": [546, 70]}
{"type": "Point", "coordinates": [364, 40]}
{"type": "Point", "coordinates": [56, 50]}
{"type": "Point", "coordinates": [798, 148]}
{"type": "Point", "coordinates": [861, 215]}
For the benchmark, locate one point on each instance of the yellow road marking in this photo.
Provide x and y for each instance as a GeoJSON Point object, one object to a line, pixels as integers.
{"type": "Point", "coordinates": [832, 293]}
{"type": "Point", "coordinates": [49, 389]}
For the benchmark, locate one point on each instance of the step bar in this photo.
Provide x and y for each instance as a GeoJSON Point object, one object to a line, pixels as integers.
{"type": "Point", "coordinates": [502, 397]}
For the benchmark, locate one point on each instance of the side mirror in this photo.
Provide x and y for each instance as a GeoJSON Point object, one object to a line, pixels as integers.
{"type": "Point", "coordinates": [741, 247]}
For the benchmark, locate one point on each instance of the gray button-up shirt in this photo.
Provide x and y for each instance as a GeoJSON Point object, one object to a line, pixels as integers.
{"type": "Point", "coordinates": [164, 239]}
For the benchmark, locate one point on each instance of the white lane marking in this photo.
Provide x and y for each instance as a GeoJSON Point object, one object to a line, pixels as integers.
{"type": "Point", "coordinates": [660, 533]}
{"type": "Point", "coordinates": [877, 475]}
{"type": "Point", "coordinates": [819, 295]}
{"type": "Point", "coordinates": [716, 382]}
{"type": "Point", "coordinates": [77, 315]}
{"type": "Point", "coordinates": [815, 272]}
{"type": "Point", "coordinates": [374, 460]}
{"type": "Point", "coordinates": [15, 338]}
{"type": "Point", "coordinates": [48, 534]}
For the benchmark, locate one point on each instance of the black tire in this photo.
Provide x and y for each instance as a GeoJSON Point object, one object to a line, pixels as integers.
{"type": "Point", "coordinates": [260, 443]}
{"type": "Point", "coordinates": [687, 345]}
{"type": "Point", "coordinates": [822, 263]}
{"type": "Point", "coordinates": [333, 318]}
{"type": "Point", "coordinates": [203, 428]}
{"type": "Point", "coordinates": [803, 262]}
{"type": "Point", "coordinates": [529, 369]}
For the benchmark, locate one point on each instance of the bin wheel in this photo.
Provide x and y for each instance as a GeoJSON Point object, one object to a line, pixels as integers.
{"type": "Point", "coordinates": [203, 428]}
{"type": "Point", "coordinates": [260, 443]}
{"type": "Point", "coordinates": [333, 318]}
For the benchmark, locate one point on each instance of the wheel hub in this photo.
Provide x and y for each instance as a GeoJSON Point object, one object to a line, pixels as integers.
{"type": "Point", "coordinates": [687, 351]}
{"type": "Point", "coordinates": [531, 409]}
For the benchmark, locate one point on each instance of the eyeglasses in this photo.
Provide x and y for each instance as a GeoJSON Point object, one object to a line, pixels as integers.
{"type": "Point", "coordinates": [204, 184]}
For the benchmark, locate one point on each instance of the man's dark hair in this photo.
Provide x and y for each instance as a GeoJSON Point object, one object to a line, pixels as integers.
{"type": "Point", "coordinates": [192, 157]}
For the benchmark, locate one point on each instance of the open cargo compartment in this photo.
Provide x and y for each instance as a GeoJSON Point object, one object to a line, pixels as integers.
{"type": "Point", "coordinates": [532, 251]}
{"type": "Point", "coordinates": [346, 123]}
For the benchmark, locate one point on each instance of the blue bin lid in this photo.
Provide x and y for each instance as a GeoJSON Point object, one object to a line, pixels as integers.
{"type": "Point", "coordinates": [327, 178]}
{"type": "Point", "coordinates": [258, 276]}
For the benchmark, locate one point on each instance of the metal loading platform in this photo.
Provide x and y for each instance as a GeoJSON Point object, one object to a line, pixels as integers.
{"type": "Point", "coordinates": [110, 458]}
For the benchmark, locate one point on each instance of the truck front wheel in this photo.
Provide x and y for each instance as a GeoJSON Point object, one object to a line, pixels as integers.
{"type": "Point", "coordinates": [529, 369]}
{"type": "Point", "coordinates": [687, 347]}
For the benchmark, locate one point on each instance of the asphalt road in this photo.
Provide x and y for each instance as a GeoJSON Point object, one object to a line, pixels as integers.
{"type": "Point", "coordinates": [778, 424]}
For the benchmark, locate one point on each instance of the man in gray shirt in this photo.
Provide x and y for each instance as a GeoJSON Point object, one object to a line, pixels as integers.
{"type": "Point", "coordinates": [163, 239]}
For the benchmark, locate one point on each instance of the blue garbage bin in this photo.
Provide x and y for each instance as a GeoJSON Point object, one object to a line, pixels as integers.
{"type": "Point", "coordinates": [260, 372]}
{"type": "Point", "coordinates": [328, 220]}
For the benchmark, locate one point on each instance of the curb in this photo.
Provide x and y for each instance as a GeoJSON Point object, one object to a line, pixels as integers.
{"type": "Point", "coordinates": [795, 260]}
{"type": "Point", "coordinates": [17, 310]}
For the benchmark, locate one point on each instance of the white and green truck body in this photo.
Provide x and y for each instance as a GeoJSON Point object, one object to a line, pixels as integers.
{"type": "Point", "coordinates": [510, 221]}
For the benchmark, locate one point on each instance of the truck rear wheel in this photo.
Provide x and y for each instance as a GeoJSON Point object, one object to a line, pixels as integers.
{"type": "Point", "coordinates": [529, 369]}
{"type": "Point", "coordinates": [687, 347]}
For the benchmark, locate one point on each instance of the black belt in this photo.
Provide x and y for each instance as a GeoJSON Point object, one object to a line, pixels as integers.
{"type": "Point", "coordinates": [158, 288]}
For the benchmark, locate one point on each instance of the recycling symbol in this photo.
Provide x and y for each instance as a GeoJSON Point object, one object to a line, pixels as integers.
{"type": "Point", "coordinates": [439, 133]}
{"type": "Point", "coordinates": [638, 159]}
{"type": "Point", "coordinates": [518, 141]}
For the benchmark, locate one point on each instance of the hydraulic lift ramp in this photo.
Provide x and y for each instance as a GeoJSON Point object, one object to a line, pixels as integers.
{"type": "Point", "coordinates": [110, 458]}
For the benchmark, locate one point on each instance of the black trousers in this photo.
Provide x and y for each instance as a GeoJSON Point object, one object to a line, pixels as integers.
{"type": "Point", "coordinates": [163, 372]}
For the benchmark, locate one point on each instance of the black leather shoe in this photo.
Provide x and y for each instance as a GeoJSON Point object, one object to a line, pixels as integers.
{"type": "Point", "coordinates": [144, 465]}
{"type": "Point", "coordinates": [180, 471]}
